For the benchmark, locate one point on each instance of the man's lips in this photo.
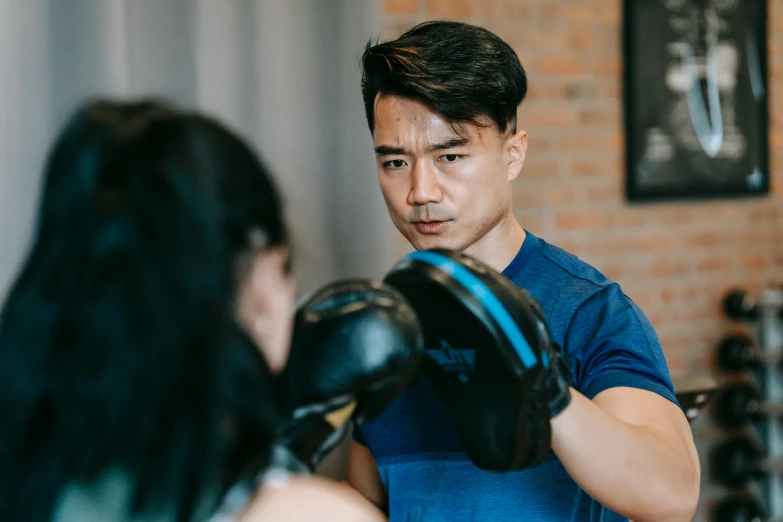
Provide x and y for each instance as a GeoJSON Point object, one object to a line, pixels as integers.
{"type": "Point", "coordinates": [430, 227]}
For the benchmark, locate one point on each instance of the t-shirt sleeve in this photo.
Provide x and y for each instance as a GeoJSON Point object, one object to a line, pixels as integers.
{"type": "Point", "coordinates": [611, 343]}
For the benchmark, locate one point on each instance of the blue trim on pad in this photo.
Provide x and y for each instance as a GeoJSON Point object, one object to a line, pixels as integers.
{"type": "Point", "coordinates": [485, 297]}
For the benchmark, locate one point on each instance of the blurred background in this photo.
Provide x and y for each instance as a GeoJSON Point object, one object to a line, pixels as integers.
{"type": "Point", "coordinates": [284, 73]}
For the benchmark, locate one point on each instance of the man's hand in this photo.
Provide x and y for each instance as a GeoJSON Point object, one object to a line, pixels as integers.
{"type": "Point", "coordinates": [631, 450]}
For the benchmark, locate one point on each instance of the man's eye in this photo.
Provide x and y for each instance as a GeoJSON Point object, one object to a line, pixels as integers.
{"type": "Point", "coordinates": [395, 164]}
{"type": "Point", "coordinates": [451, 158]}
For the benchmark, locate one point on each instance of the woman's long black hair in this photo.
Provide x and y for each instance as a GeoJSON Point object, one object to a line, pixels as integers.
{"type": "Point", "coordinates": [119, 348]}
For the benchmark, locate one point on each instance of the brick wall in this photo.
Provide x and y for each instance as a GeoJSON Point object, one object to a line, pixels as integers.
{"type": "Point", "coordinates": [674, 259]}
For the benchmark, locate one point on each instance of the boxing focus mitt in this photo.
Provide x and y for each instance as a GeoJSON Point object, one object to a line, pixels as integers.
{"type": "Point", "coordinates": [356, 346]}
{"type": "Point", "coordinates": [490, 357]}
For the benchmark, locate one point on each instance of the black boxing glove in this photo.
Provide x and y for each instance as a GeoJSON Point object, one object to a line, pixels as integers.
{"type": "Point", "coordinates": [356, 346]}
{"type": "Point", "coordinates": [490, 359]}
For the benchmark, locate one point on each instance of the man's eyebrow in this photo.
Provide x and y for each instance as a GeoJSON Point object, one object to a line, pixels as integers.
{"type": "Point", "coordinates": [389, 150]}
{"type": "Point", "coordinates": [448, 144]}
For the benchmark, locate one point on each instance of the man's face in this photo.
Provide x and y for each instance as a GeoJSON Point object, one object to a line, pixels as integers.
{"type": "Point", "coordinates": [443, 189]}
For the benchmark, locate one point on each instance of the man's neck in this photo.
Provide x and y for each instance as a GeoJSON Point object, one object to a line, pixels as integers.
{"type": "Point", "coordinates": [500, 245]}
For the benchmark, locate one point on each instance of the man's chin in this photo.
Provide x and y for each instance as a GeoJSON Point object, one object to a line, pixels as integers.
{"type": "Point", "coordinates": [422, 242]}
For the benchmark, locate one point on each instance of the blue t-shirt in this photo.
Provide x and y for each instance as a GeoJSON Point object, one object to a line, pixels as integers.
{"type": "Point", "coordinates": [610, 343]}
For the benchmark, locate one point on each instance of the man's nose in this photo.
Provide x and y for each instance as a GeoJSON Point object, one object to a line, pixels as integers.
{"type": "Point", "coordinates": [425, 186]}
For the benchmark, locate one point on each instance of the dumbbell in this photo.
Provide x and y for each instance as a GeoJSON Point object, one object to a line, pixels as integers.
{"type": "Point", "coordinates": [737, 353]}
{"type": "Point", "coordinates": [737, 461]}
{"type": "Point", "coordinates": [740, 305]}
{"type": "Point", "coordinates": [739, 509]}
{"type": "Point", "coordinates": [737, 404]}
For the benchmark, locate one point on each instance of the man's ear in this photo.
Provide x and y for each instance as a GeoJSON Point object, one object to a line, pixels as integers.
{"type": "Point", "coordinates": [516, 147]}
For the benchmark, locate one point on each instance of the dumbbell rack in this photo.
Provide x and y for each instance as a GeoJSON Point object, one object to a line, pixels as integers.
{"type": "Point", "coordinates": [769, 335]}
{"type": "Point", "coordinates": [763, 314]}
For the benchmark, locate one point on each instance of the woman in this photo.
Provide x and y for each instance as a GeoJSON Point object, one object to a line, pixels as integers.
{"type": "Point", "coordinates": [128, 390]}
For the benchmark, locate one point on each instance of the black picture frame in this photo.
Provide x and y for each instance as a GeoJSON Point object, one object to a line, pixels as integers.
{"type": "Point", "coordinates": [668, 43]}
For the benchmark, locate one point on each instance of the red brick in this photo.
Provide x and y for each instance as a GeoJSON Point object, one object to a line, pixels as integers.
{"type": "Point", "coordinates": [626, 219]}
{"type": "Point", "coordinates": [578, 221]}
{"type": "Point", "coordinates": [668, 268]}
{"type": "Point", "coordinates": [776, 186]}
{"type": "Point", "coordinates": [609, 91]}
{"type": "Point", "coordinates": [530, 222]}
{"type": "Point", "coordinates": [536, 145]}
{"type": "Point", "coordinates": [507, 9]}
{"type": "Point", "coordinates": [586, 168]}
{"type": "Point", "coordinates": [592, 140]}
{"type": "Point", "coordinates": [660, 242]}
{"type": "Point", "coordinates": [611, 15]}
{"type": "Point", "coordinates": [395, 30]}
{"type": "Point", "coordinates": [551, 116]}
{"type": "Point", "coordinates": [526, 197]}
{"type": "Point", "coordinates": [493, 8]}
{"type": "Point", "coordinates": [678, 215]}
{"type": "Point", "coordinates": [604, 194]}
{"type": "Point", "coordinates": [538, 37]}
{"type": "Point", "coordinates": [539, 170]}
{"type": "Point", "coordinates": [608, 66]}
{"type": "Point", "coordinates": [609, 115]}
{"type": "Point", "coordinates": [580, 13]}
{"type": "Point", "coordinates": [451, 8]}
{"type": "Point", "coordinates": [713, 264]}
{"type": "Point", "coordinates": [547, 91]}
{"type": "Point", "coordinates": [583, 89]}
{"type": "Point", "coordinates": [582, 39]}
{"type": "Point", "coordinates": [644, 300]}
{"type": "Point", "coordinates": [706, 239]}
{"type": "Point", "coordinates": [559, 195]}
{"type": "Point", "coordinates": [550, 11]}
{"type": "Point", "coordinates": [613, 272]}
{"type": "Point", "coordinates": [754, 262]}
{"type": "Point", "coordinates": [749, 238]}
{"type": "Point", "coordinates": [689, 293]}
{"type": "Point", "coordinates": [668, 295]}
{"type": "Point", "coordinates": [401, 6]}
{"type": "Point", "coordinates": [561, 65]}
{"type": "Point", "coordinates": [763, 214]}
{"type": "Point", "coordinates": [674, 360]}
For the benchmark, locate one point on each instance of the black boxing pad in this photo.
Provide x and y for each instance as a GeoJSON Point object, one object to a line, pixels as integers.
{"type": "Point", "coordinates": [486, 355]}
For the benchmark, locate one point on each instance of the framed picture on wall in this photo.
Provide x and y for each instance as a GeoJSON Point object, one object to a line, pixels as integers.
{"type": "Point", "coordinates": [696, 116]}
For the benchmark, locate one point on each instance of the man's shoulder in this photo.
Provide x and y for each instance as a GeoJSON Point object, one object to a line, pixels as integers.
{"type": "Point", "coordinates": [569, 266]}
{"type": "Point", "coordinates": [560, 278]}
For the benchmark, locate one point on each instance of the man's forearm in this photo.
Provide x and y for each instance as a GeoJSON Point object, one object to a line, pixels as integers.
{"type": "Point", "coordinates": [636, 471]}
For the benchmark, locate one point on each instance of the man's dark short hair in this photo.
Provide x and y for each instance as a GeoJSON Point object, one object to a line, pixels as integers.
{"type": "Point", "coordinates": [463, 72]}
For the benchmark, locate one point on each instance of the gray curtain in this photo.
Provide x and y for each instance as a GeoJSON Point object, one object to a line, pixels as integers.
{"type": "Point", "coordinates": [284, 73]}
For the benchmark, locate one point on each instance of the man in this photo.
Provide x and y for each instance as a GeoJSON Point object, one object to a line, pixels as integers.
{"type": "Point", "coordinates": [441, 102]}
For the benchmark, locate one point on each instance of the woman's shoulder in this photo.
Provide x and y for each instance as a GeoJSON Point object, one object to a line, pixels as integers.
{"type": "Point", "coordinates": [306, 498]}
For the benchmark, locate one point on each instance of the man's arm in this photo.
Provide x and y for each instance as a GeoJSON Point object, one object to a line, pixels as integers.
{"type": "Point", "coordinates": [631, 450]}
{"type": "Point", "coordinates": [363, 476]}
